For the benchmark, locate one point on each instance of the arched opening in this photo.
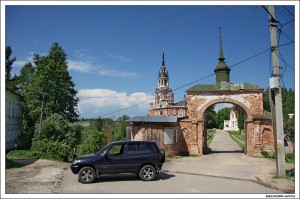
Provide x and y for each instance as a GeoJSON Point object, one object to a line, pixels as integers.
{"type": "Point", "coordinates": [225, 121]}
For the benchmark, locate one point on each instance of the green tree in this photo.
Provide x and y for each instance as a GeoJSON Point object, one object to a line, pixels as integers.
{"type": "Point", "coordinates": [74, 136]}
{"type": "Point", "coordinates": [223, 114]}
{"type": "Point", "coordinates": [288, 106]}
{"type": "Point", "coordinates": [8, 63]}
{"type": "Point", "coordinates": [211, 117]}
{"type": "Point", "coordinates": [49, 77]}
{"type": "Point", "coordinates": [53, 128]}
{"type": "Point", "coordinates": [92, 142]}
{"type": "Point", "coordinates": [240, 114]}
{"type": "Point", "coordinates": [288, 101]}
{"type": "Point", "coordinates": [119, 131]}
{"type": "Point", "coordinates": [9, 80]}
{"type": "Point", "coordinates": [96, 124]}
{"type": "Point", "coordinates": [23, 81]}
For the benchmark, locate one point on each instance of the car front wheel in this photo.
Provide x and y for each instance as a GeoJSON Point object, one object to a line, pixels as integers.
{"type": "Point", "coordinates": [86, 175]}
{"type": "Point", "coordinates": [147, 173]}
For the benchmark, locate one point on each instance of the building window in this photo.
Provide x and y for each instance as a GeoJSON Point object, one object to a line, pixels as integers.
{"type": "Point", "coordinates": [169, 136]}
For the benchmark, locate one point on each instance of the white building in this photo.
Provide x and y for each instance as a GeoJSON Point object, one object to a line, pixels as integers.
{"type": "Point", "coordinates": [13, 118]}
{"type": "Point", "coordinates": [232, 124]}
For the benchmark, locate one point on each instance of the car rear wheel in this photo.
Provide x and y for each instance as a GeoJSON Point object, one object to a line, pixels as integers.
{"type": "Point", "coordinates": [86, 175]}
{"type": "Point", "coordinates": [147, 173]}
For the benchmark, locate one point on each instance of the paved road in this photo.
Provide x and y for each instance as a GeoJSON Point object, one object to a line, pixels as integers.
{"type": "Point", "coordinates": [225, 170]}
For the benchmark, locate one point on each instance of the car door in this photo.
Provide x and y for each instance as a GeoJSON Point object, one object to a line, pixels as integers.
{"type": "Point", "coordinates": [134, 157]}
{"type": "Point", "coordinates": [112, 161]}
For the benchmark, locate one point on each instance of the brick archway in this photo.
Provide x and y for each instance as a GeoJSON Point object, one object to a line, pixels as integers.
{"type": "Point", "coordinates": [251, 101]}
{"type": "Point", "coordinates": [202, 126]}
{"type": "Point", "coordinates": [216, 101]}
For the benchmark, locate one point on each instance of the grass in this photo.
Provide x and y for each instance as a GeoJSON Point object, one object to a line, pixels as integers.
{"type": "Point", "coordinates": [238, 138]}
{"type": "Point", "coordinates": [290, 175]}
{"type": "Point", "coordinates": [22, 154]}
{"type": "Point", "coordinates": [289, 157]}
{"type": "Point", "coordinates": [210, 135]}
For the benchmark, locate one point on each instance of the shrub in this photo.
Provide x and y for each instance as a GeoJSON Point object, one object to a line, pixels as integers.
{"type": "Point", "coordinates": [92, 142]}
{"type": "Point", "coordinates": [22, 154]}
{"type": "Point", "coordinates": [289, 158]}
{"type": "Point", "coordinates": [53, 150]}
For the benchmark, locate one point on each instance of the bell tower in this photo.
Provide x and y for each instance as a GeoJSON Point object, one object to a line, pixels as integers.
{"type": "Point", "coordinates": [164, 95]}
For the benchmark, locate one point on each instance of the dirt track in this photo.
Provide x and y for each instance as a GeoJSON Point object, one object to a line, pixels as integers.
{"type": "Point", "coordinates": [38, 176]}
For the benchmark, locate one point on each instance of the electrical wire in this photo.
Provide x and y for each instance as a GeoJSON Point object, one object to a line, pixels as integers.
{"type": "Point", "coordinates": [180, 87]}
{"type": "Point", "coordinates": [282, 59]}
{"type": "Point", "coordinates": [288, 11]}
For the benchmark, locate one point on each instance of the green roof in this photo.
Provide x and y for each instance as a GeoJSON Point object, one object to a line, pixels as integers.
{"type": "Point", "coordinates": [222, 66]}
{"type": "Point", "coordinates": [223, 86]}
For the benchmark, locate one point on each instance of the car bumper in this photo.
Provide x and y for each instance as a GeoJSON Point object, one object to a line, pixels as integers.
{"type": "Point", "coordinates": [74, 168]}
{"type": "Point", "coordinates": [158, 167]}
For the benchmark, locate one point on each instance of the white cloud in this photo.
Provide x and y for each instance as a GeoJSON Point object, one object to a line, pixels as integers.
{"type": "Point", "coordinates": [87, 67]}
{"type": "Point", "coordinates": [120, 58]}
{"type": "Point", "coordinates": [86, 63]}
{"type": "Point", "coordinates": [115, 73]}
{"type": "Point", "coordinates": [21, 63]}
{"type": "Point", "coordinates": [97, 102]}
{"type": "Point", "coordinates": [82, 54]}
{"type": "Point", "coordinates": [80, 66]}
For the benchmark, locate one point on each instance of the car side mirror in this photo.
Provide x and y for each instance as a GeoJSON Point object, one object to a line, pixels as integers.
{"type": "Point", "coordinates": [106, 155]}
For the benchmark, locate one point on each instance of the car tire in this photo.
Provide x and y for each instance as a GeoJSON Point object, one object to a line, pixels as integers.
{"type": "Point", "coordinates": [162, 155]}
{"type": "Point", "coordinates": [147, 173]}
{"type": "Point", "coordinates": [86, 175]}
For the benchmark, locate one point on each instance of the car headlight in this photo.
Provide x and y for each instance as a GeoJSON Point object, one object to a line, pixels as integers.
{"type": "Point", "coordinates": [75, 161]}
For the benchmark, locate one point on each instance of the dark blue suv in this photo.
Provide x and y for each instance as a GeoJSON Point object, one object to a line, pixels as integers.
{"type": "Point", "coordinates": [143, 158]}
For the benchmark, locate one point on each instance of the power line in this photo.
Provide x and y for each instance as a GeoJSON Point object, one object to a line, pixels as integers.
{"type": "Point", "coordinates": [209, 75]}
{"type": "Point", "coordinates": [282, 59]}
{"type": "Point", "coordinates": [288, 11]}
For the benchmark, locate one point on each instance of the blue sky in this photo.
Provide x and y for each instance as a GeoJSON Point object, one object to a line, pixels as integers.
{"type": "Point", "coordinates": [115, 52]}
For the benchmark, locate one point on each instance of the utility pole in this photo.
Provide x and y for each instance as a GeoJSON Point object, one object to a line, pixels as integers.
{"type": "Point", "coordinates": [276, 99]}
{"type": "Point", "coordinates": [41, 115]}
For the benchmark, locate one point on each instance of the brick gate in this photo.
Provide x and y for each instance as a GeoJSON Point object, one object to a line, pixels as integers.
{"type": "Point", "coordinates": [258, 124]}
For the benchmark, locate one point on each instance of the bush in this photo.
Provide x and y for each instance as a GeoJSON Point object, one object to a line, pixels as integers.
{"type": "Point", "coordinates": [22, 154]}
{"type": "Point", "coordinates": [289, 158]}
{"type": "Point", "coordinates": [92, 142]}
{"type": "Point", "coordinates": [53, 150]}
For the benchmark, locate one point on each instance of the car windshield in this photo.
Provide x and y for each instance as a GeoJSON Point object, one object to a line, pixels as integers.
{"type": "Point", "coordinates": [103, 150]}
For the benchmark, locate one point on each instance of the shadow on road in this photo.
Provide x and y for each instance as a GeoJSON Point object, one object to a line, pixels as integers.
{"type": "Point", "coordinates": [210, 151]}
{"type": "Point", "coordinates": [22, 162]}
{"type": "Point", "coordinates": [130, 177]}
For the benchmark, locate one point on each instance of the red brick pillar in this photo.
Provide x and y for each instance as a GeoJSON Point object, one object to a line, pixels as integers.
{"type": "Point", "coordinates": [194, 138]}
{"type": "Point", "coordinates": [200, 137]}
{"type": "Point", "coordinates": [250, 137]}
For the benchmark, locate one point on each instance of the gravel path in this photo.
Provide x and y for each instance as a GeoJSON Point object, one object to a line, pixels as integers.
{"type": "Point", "coordinates": [38, 176]}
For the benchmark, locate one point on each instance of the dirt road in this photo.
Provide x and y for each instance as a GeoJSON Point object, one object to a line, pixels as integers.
{"type": "Point", "coordinates": [38, 176]}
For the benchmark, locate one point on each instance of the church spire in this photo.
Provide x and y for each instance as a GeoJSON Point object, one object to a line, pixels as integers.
{"type": "Point", "coordinates": [221, 58]}
{"type": "Point", "coordinates": [163, 58]}
{"type": "Point", "coordinates": [222, 71]}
